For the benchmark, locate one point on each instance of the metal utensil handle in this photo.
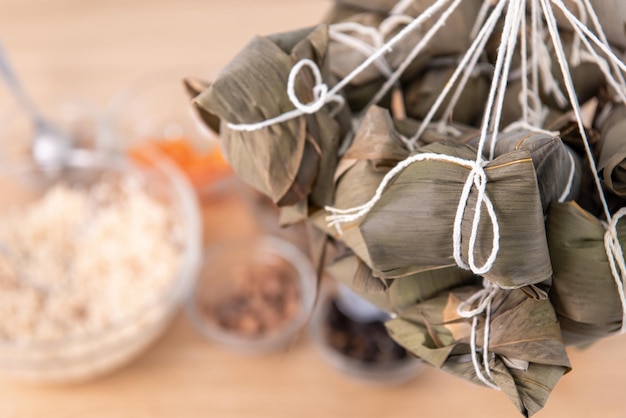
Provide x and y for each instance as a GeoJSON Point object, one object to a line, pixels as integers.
{"type": "Point", "coordinates": [19, 93]}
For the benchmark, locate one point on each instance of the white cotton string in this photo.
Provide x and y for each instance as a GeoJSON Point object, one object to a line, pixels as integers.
{"type": "Point", "coordinates": [480, 18]}
{"type": "Point", "coordinates": [509, 38]}
{"type": "Point", "coordinates": [575, 57]}
{"type": "Point", "coordinates": [441, 21]}
{"type": "Point", "coordinates": [612, 245]}
{"type": "Point", "coordinates": [481, 40]}
{"type": "Point", "coordinates": [524, 70]}
{"type": "Point", "coordinates": [616, 260]}
{"type": "Point", "coordinates": [392, 22]}
{"type": "Point", "coordinates": [339, 35]}
{"type": "Point", "coordinates": [369, 31]}
{"type": "Point", "coordinates": [484, 297]}
{"type": "Point", "coordinates": [570, 180]}
{"type": "Point", "coordinates": [476, 178]}
{"type": "Point", "coordinates": [324, 95]}
{"type": "Point", "coordinates": [604, 47]}
{"type": "Point", "coordinates": [569, 85]}
{"type": "Point", "coordinates": [544, 62]}
{"type": "Point", "coordinates": [521, 125]}
{"type": "Point", "coordinates": [592, 56]}
{"type": "Point", "coordinates": [320, 92]}
{"type": "Point", "coordinates": [534, 57]}
{"type": "Point", "coordinates": [598, 27]}
{"type": "Point", "coordinates": [401, 7]}
{"type": "Point", "coordinates": [467, 64]}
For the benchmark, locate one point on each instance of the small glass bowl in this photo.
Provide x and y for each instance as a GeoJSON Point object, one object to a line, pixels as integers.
{"type": "Point", "coordinates": [254, 294]}
{"type": "Point", "coordinates": [388, 372]}
{"type": "Point", "coordinates": [89, 354]}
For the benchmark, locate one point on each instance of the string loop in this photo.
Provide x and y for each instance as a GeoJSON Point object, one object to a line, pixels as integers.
{"type": "Point", "coordinates": [477, 178]}
{"type": "Point", "coordinates": [483, 300]}
{"type": "Point", "coordinates": [615, 255]}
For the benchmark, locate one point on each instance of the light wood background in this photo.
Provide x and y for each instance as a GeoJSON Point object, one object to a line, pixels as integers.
{"type": "Point", "coordinates": [93, 49]}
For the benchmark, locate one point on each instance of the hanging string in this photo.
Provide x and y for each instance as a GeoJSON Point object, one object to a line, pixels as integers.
{"type": "Point", "coordinates": [524, 67]}
{"type": "Point", "coordinates": [592, 56]}
{"type": "Point", "coordinates": [569, 85]}
{"type": "Point", "coordinates": [480, 18]}
{"type": "Point", "coordinates": [613, 247]}
{"type": "Point", "coordinates": [401, 7]}
{"type": "Point", "coordinates": [484, 297]}
{"type": "Point", "coordinates": [598, 28]}
{"type": "Point", "coordinates": [339, 33]}
{"type": "Point", "coordinates": [323, 95]}
{"type": "Point", "coordinates": [503, 64]}
{"type": "Point", "coordinates": [419, 47]}
{"type": "Point", "coordinates": [570, 180]}
{"type": "Point", "coordinates": [467, 64]}
{"type": "Point", "coordinates": [575, 57]}
{"type": "Point", "coordinates": [615, 253]}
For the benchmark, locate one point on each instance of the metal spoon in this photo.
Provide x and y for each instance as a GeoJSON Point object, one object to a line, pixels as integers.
{"type": "Point", "coordinates": [50, 145]}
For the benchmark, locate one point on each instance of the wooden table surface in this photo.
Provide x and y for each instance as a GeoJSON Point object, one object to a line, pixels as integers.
{"type": "Point", "coordinates": [95, 48]}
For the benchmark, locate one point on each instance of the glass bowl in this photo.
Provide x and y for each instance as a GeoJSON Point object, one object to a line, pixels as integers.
{"type": "Point", "coordinates": [95, 260]}
{"type": "Point", "coordinates": [254, 294]}
{"type": "Point", "coordinates": [358, 358]}
{"type": "Point", "coordinates": [155, 107]}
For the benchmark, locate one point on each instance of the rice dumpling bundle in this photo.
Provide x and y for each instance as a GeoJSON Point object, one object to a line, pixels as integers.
{"type": "Point", "coordinates": [584, 293]}
{"type": "Point", "coordinates": [612, 161]}
{"type": "Point", "coordinates": [526, 358]}
{"type": "Point", "coordinates": [375, 149]}
{"type": "Point", "coordinates": [395, 295]}
{"type": "Point", "coordinates": [421, 94]}
{"type": "Point", "coordinates": [410, 228]}
{"type": "Point", "coordinates": [291, 162]}
{"type": "Point", "coordinates": [558, 169]}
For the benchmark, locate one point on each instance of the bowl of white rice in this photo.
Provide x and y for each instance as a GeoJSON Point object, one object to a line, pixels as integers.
{"type": "Point", "coordinates": [96, 257]}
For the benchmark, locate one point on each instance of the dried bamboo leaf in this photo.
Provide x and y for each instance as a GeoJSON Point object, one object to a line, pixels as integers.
{"type": "Point", "coordinates": [292, 160]}
{"type": "Point", "coordinates": [406, 291]}
{"type": "Point", "coordinates": [612, 161]}
{"type": "Point", "coordinates": [398, 294]}
{"type": "Point", "coordinates": [453, 38]}
{"type": "Point", "coordinates": [584, 293]}
{"type": "Point", "coordinates": [349, 271]}
{"type": "Point", "coordinates": [381, 6]}
{"type": "Point", "coordinates": [421, 95]}
{"type": "Point", "coordinates": [194, 87]}
{"type": "Point", "coordinates": [345, 57]}
{"type": "Point", "coordinates": [377, 140]}
{"type": "Point", "coordinates": [612, 17]}
{"type": "Point", "coordinates": [432, 134]}
{"type": "Point", "coordinates": [410, 228]}
{"type": "Point", "coordinates": [375, 148]}
{"type": "Point", "coordinates": [523, 331]}
{"type": "Point", "coordinates": [587, 76]}
{"type": "Point", "coordinates": [551, 159]}
{"type": "Point", "coordinates": [339, 12]}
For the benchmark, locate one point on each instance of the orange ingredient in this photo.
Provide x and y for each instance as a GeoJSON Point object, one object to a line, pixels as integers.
{"type": "Point", "coordinates": [202, 169]}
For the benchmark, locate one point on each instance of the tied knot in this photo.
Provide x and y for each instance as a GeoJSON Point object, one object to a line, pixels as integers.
{"type": "Point", "coordinates": [615, 256]}
{"type": "Point", "coordinates": [477, 304]}
{"type": "Point", "coordinates": [477, 178]}
{"type": "Point", "coordinates": [322, 95]}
